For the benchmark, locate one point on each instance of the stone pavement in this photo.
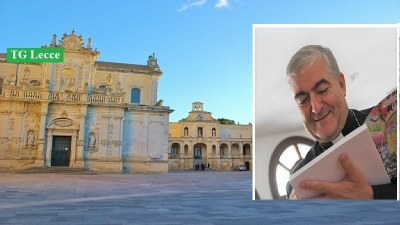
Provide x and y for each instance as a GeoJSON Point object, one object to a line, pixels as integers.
{"type": "Point", "coordinates": [208, 197]}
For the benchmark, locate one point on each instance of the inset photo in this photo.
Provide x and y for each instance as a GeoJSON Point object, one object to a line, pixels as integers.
{"type": "Point", "coordinates": [317, 89]}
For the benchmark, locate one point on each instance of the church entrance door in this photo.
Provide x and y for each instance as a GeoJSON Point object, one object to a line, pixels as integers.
{"type": "Point", "coordinates": [61, 151]}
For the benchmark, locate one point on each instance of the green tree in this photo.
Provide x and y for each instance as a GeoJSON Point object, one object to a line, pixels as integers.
{"type": "Point", "coordinates": [226, 121]}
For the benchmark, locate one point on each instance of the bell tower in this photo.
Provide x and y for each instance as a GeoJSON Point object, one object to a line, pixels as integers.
{"type": "Point", "coordinates": [197, 106]}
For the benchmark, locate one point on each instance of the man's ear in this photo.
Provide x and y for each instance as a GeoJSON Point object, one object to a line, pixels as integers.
{"type": "Point", "coordinates": [342, 83]}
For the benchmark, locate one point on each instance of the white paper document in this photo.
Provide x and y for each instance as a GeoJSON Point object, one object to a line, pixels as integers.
{"type": "Point", "coordinates": [359, 146]}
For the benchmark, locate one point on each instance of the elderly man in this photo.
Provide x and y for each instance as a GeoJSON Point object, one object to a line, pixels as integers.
{"type": "Point", "coordinates": [319, 89]}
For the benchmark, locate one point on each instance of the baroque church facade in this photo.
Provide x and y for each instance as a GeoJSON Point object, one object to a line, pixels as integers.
{"type": "Point", "coordinates": [82, 113]}
{"type": "Point", "coordinates": [201, 139]}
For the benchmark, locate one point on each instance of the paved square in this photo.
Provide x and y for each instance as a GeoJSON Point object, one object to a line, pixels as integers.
{"type": "Point", "coordinates": [175, 198]}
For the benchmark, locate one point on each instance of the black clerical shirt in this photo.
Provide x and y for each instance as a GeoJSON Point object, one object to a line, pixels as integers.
{"type": "Point", "coordinates": [384, 191]}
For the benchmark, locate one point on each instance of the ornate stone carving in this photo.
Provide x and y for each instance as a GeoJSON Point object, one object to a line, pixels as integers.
{"type": "Point", "coordinates": [3, 140]}
{"type": "Point", "coordinates": [29, 148]}
{"type": "Point", "coordinates": [106, 116]}
{"type": "Point", "coordinates": [109, 79]}
{"type": "Point", "coordinates": [26, 74]}
{"type": "Point", "coordinates": [43, 113]}
{"type": "Point", "coordinates": [6, 112]}
{"type": "Point", "coordinates": [68, 81]}
{"type": "Point", "coordinates": [118, 87]}
{"type": "Point", "coordinates": [16, 140]}
{"type": "Point", "coordinates": [80, 143]}
{"type": "Point", "coordinates": [63, 123]}
{"type": "Point", "coordinates": [8, 151]}
{"type": "Point", "coordinates": [71, 42]}
{"type": "Point", "coordinates": [118, 117]}
{"type": "Point", "coordinates": [20, 113]}
{"type": "Point", "coordinates": [104, 143]}
{"type": "Point", "coordinates": [62, 131]}
{"type": "Point", "coordinates": [30, 141]}
{"type": "Point", "coordinates": [91, 149]}
{"type": "Point", "coordinates": [116, 143]}
{"type": "Point", "coordinates": [82, 115]}
{"type": "Point", "coordinates": [64, 114]}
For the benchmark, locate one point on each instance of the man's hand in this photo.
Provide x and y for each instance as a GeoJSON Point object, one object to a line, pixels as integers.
{"type": "Point", "coordinates": [353, 186]}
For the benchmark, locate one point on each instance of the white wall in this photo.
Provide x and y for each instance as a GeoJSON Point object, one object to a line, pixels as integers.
{"type": "Point", "coordinates": [263, 149]}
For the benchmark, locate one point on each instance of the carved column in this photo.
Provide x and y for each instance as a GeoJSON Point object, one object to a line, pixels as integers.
{"type": "Point", "coordinates": [191, 153]}
{"type": "Point", "coordinates": [72, 161]}
{"type": "Point", "coordinates": [39, 161]}
{"type": "Point", "coordinates": [121, 134]}
{"type": "Point", "coordinates": [241, 150]}
{"type": "Point", "coordinates": [81, 140]}
{"type": "Point", "coordinates": [47, 162]}
{"type": "Point", "coordinates": [230, 153]}
{"type": "Point", "coordinates": [104, 137]}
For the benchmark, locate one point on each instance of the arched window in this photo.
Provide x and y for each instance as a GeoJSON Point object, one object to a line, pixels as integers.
{"type": "Point", "coordinates": [135, 95]}
{"type": "Point", "coordinates": [284, 159]}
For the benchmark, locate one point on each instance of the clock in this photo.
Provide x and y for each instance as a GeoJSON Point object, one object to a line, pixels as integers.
{"type": "Point", "coordinates": [200, 116]}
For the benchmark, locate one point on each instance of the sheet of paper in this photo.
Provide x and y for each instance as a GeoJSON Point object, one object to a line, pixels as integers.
{"type": "Point", "coordinates": [359, 146]}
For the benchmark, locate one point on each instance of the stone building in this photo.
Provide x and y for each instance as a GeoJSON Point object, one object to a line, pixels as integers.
{"type": "Point", "coordinates": [103, 116]}
{"type": "Point", "coordinates": [202, 139]}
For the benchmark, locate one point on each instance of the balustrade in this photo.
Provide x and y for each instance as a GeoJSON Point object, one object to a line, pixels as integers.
{"type": "Point", "coordinates": [114, 99]}
{"type": "Point", "coordinates": [31, 94]}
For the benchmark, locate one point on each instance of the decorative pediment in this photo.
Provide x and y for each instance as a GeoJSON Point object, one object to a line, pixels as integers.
{"type": "Point", "coordinates": [62, 124]}
{"type": "Point", "coordinates": [71, 42]}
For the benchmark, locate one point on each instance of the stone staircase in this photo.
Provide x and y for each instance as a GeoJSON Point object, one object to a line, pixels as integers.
{"type": "Point", "coordinates": [57, 169]}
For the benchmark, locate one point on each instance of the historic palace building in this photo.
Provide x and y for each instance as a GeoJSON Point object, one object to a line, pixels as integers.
{"type": "Point", "coordinates": [98, 115]}
{"type": "Point", "coordinates": [202, 139]}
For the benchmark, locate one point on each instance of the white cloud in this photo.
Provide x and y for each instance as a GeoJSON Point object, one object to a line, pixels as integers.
{"type": "Point", "coordinates": [190, 3]}
{"type": "Point", "coordinates": [222, 4]}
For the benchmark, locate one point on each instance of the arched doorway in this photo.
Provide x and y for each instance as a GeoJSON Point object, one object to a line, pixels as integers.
{"type": "Point", "coordinates": [199, 154]}
{"type": "Point", "coordinates": [246, 149]}
{"type": "Point", "coordinates": [235, 150]}
{"type": "Point", "coordinates": [61, 142]}
{"type": "Point", "coordinates": [175, 150]}
{"type": "Point", "coordinates": [223, 150]}
{"type": "Point", "coordinates": [247, 164]}
{"type": "Point", "coordinates": [61, 151]}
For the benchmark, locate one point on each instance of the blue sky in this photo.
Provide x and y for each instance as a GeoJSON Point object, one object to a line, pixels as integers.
{"type": "Point", "coordinates": [203, 47]}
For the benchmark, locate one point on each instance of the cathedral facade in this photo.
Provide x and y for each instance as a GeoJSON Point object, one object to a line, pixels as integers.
{"type": "Point", "coordinates": [201, 139]}
{"type": "Point", "coordinates": [82, 113]}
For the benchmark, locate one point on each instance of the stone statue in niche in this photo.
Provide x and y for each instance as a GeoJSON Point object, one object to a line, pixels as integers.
{"type": "Point", "coordinates": [68, 81]}
{"type": "Point", "coordinates": [118, 87]}
{"type": "Point", "coordinates": [109, 79]}
{"type": "Point", "coordinates": [26, 74]}
{"type": "Point", "coordinates": [92, 140]}
{"type": "Point", "coordinates": [13, 80]}
{"type": "Point", "coordinates": [31, 138]}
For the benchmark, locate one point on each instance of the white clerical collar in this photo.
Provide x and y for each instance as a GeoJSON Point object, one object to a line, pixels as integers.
{"type": "Point", "coordinates": [338, 138]}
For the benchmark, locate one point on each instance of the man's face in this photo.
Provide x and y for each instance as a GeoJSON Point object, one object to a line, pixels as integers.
{"type": "Point", "coordinates": [321, 100]}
